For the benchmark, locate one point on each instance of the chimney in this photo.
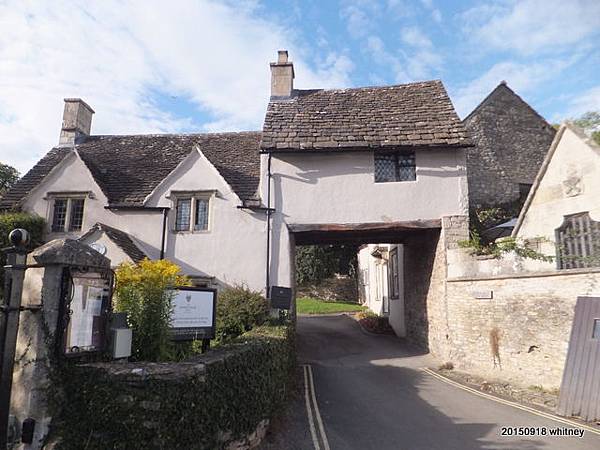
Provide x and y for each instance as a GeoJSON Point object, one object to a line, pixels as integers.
{"type": "Point", "coordinates": [282, 76]}
{"type": "Point", "coordinates": [77, 121]}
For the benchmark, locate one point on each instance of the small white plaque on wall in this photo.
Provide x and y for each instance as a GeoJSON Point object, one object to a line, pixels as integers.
{"type": "Point", "coordinates": [484, 295]}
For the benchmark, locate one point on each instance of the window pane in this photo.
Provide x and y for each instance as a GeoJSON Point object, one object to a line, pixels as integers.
{"type": "Point", "coordinates": [596, 331]}
{"type": "Point", "coordinates": [182, 221]}
{"type": "Point", "coordinates": [201, 221]}
{"type": "Point", "coordinates": [406, 167]}
{"type": "Point", "coordinates": [76, 220]}
{"type": "Point", "coordinates": [59, 214]}
{"type": "Point", "coordinates": [385, 168]}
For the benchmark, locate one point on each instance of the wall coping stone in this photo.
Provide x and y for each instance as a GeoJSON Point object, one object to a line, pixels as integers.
{"type": "Point", "coordinates": [553, 273]}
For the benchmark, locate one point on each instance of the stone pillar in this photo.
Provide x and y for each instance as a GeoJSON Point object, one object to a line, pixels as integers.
{"type": "Point", "coordinates": [455, 229]}
{"type": "Point", "coordinates": [35, 348]}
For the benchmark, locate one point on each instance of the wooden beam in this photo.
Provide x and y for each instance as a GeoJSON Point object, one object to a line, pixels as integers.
{"type": "Point", "coordinates": [373, 226]}
{"type": "Point", "coordinates": [384, 232]}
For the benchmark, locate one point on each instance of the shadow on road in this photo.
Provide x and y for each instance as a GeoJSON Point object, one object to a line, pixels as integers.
{"type": "Point", "coordinates": [372, 395]}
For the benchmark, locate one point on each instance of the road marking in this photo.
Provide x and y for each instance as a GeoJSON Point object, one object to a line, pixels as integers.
{"type": "Point", "coordinates": [311, 421]}
{"type": "Point", "coordinates": [312, 407]}
{"type": "Point", "coordinates": [316, 406]}
{"type": "Point", "coordinates": [513, 404]}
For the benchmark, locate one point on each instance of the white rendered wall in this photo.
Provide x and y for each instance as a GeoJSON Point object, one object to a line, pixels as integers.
{"type": "Point", "coordinates": [233, 250]}
{"type": "Point", "coordinates": [573, 162]}
{"type": "Point", "coordinates": [340, 188]}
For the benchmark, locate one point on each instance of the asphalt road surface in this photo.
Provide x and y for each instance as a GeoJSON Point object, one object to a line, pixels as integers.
{"type": "Point", "coordinates": [367, 392]}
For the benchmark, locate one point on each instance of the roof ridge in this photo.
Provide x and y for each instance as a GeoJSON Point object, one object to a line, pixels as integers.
{"type": "Point", "coordinates": [358, 88]}
{"type": "Point", "coordinates": [504, 84]}
{"type": "Point", "coordinates": [217, 133]}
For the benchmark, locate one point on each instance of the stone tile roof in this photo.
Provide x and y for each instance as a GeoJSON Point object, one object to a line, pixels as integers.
{"type": "Point", "coordinates": [511, 140]}
{"type": "Point", "coordinates": [409, 115]}
{"type": "Point", "coordinates": [128, 168]}
{"type": "Point", "coordinates": [120, 238]}
{"type": "Point", "coordinates": [32, 178]}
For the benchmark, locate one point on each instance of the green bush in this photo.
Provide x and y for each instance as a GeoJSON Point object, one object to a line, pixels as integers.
{"type": "Point", "coordinates": [239, 310]}
{"type": "Point", "coordinates": [250, 380]}
{"type": "Point", "coordinates": [34, 224]}
{"type": "Point", "coordinates": [143, 293]}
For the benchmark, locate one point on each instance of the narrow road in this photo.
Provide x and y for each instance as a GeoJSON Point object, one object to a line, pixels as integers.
{"type": "Point", "coordinates": [370, 394]}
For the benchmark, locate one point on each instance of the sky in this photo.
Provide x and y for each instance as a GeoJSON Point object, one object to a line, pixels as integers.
{"type": "Point", "coordinates": [199, 66]}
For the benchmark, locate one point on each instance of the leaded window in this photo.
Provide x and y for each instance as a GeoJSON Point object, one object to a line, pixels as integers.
{"type": "Point", "coordinates": [578, 242]}
{"type": "Point", "coordinates": [399, 166]}
{"type": "Point", "coordinates": [67, 213]}
{"type": "Point", "coordinates": [201, 221]}
{"type": "Point", "coordinates": [59, 214]}
{"type": "Point", "coordinates": [192, 210]}
{"type": "Point", "coordinates": [76, 217]}
{"type": "Point", "coordinates": [184, 210]}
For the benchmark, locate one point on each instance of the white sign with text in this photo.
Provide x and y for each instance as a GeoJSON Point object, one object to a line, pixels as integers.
{"type": "Point", "coordinates": [192, 309]}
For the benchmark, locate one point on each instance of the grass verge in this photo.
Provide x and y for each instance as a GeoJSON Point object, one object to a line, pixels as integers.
{"type": "Point", "coordinates": [308, 305]}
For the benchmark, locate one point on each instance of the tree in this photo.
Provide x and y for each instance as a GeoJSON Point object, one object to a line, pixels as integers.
{"type": "Point", "coordinates": [8, 176]}
{"type": "Point", "coordinates": [314, 263]}
{"type": "Point", "coordinates": [590, 123]}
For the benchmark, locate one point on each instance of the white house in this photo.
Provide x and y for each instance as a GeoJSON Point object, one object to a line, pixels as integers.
{"type": "Point", "coordinates": [368, 165]}
{"type": "Point", "coordinates": [561, 216]}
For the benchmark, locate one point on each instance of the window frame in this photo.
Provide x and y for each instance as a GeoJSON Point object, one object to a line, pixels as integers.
{"type": "Point", "coordinates": [68, 198]}
{"type": "Point", "coordinates": [193, 197]}
{"type": "Point", "coordinates": [576, 239]}
{"type": "Point", "coordinates": [397, 155]}
{"type": "Point", "coordinates": [394, 274]}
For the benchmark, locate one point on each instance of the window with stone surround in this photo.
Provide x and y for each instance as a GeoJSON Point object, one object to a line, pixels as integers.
{"type": "Point", "coordinates": [397, 166]}
{"type": "Point", "coordinates": [67, 212]}
{"type": "Point", "coordinates": [578, 242]}
{"type": "Point", "coordinates": [192, 211]}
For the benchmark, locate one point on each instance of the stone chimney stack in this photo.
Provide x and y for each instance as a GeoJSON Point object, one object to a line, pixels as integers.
{"type": "Point", "coordinates": [77, 121]}
{"type": "Point", "coordinates": [282, 76]}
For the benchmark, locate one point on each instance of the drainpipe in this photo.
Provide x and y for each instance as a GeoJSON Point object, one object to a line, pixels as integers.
{"type": "Point", "coordinates": [267, 275]}
{"type": "Point", "coordinates": [164, 233]}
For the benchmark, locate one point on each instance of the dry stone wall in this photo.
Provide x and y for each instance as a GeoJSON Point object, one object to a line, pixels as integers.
{"type": "Point", "coordinates": [533, 315]}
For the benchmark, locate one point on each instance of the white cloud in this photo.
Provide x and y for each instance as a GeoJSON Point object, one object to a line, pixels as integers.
{"type": "Point", "coordinates": [584, 102]}
{"type": "Point", "coordinates": [522, 78]}
{"type": "Point", "coordinates": [436, 14]}
{"type": "Point", "coordinates": [118, 56]}
{"type": "Point", "coordinates": [534, 26]}
{"type": "Point", "coordinates": [384, 58]}
{"type": "Point", "coordinates": [359, 16]}
{"type": "Point", "coordinates": [415, 37]}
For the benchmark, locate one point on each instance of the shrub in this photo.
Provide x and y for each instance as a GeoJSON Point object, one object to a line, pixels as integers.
{"type": "Point", "coordinates": [34, 224]}
{"type": "Point", "coordinates": [502, 246]}
{"type": "Point", "coordinates": [250, 381]}
{"type": "Point", "coordinates": [142, 292]}
{"type": "Point", "coordinates": [239, 310]}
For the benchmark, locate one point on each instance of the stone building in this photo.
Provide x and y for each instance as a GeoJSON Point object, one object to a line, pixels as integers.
{"type": "Point", "coordinates": [511, 140]}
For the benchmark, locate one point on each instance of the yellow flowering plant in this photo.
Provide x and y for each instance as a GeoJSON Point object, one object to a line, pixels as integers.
{"type": "Point", "coordinates": [142, 291]}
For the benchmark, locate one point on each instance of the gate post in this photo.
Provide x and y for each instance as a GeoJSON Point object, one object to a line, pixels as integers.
{"type": "Point", "coordinates": [9, 326]}
{"type": "Point", "coordinates": [44, 300]}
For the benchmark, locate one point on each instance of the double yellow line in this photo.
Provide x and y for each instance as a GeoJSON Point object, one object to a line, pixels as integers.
{"type": "Point", "coordinates": [312, 409]}
{"type": "Point", "coordinates": [513, 404]}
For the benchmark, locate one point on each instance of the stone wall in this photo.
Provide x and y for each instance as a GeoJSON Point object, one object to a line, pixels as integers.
{"type": "Point", "coordinates": [533, 314]}
{"type": "Point", "coordinates": [511, 141]}
{"type": "Point", "coordinates": [425, 273]}
{"type": "Point", "coordinates": [337, 288]}
{"type": "Point", "coordinates": [223, 399]}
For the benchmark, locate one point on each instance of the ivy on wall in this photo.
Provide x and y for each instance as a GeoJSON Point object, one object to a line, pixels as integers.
{"type": "Point", "coordinates": [239, 386]}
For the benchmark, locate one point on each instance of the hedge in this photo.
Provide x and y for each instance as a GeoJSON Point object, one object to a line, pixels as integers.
{"type": "Point", "coordinates": [202, 403]}
{"type": "Point", "coordinates": [8, 222]}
